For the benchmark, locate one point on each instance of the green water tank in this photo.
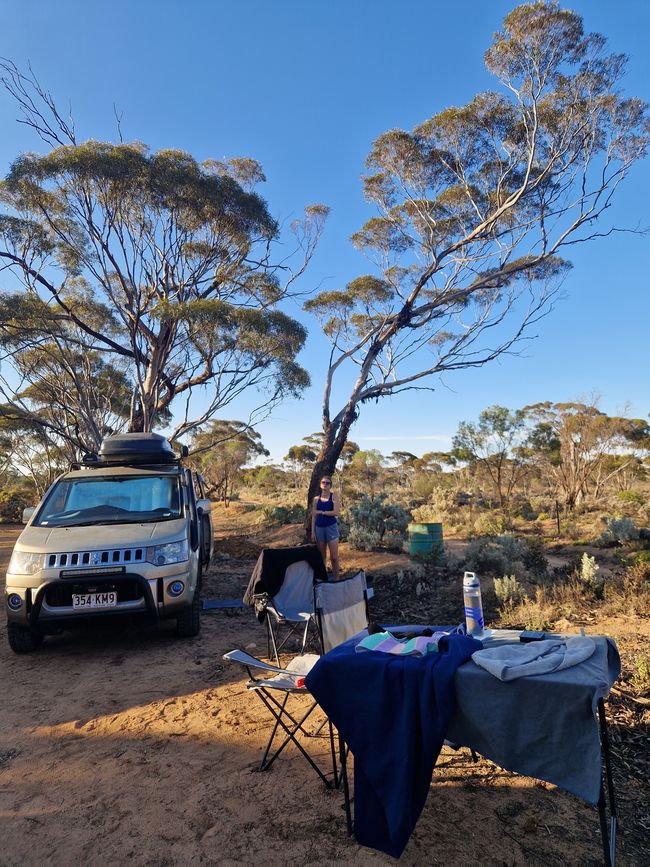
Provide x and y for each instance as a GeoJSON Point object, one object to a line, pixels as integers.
{"type": "Point", "coordinates": [425, 540]}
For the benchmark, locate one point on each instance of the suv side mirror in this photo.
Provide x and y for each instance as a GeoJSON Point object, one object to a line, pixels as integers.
{"type": "Point", "coordinates": [27, 514]}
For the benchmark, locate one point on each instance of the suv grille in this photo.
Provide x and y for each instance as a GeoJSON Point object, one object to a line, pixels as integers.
{"type": "Point", "coordinates": [119, 557]}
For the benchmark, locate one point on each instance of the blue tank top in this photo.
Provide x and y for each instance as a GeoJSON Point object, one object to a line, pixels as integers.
{"type": "Point", "coordinates": [323, 520]}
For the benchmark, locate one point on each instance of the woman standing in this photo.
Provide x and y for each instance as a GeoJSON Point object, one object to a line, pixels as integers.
{"type": "Point", "coordinates": [324, 526]}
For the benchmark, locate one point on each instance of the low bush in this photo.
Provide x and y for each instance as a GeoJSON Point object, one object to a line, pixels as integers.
{"type": "Point", "coordinates": [537, 614]}
{"type": "Point", "coordinates": [426, 514]}
{"type": "Point", "coordinates": [373, 520]}
{"type": "Point", "coordinates": [363, 539]}
{"type": "Point", "coordinates": [508, 591]}
{"type": "Point", "coordinates": [496, 555]}
{"type": "Point", "coordinates": [534, 557]}
{"type": "Point", "coordinates": [629, 592]}
{"type": "Point", "coordinates": [12, 503]}
{"type": "Point", "coordinates": [641, 676]}
{"type": "Point", "coordinates": [294, 514]}
{"type": "Point", "coordinates": [490, 523]}
{"type": "Point", "coordinates": [619, 530]}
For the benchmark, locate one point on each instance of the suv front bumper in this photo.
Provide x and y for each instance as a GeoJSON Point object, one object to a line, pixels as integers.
{"type": "Point", "coordinates": [49, 605]}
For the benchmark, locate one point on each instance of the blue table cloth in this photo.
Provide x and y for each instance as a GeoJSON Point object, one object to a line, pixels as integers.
{"type": "Point", "coordinates": [393, 713]}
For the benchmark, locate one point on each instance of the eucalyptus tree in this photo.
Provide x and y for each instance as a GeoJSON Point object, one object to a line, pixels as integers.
{"type": "Point", "coordinates": [74, 393]}
{"type": "Point", "coordinates": [494, 445]}
{"type": "Point", "coordinates": [476, 208]}
{"type": "Point", "coordinates": [180, 253]}
{"type": "Point", "coordinates": [221, 451]}
{"type": "Point", "coordinates": [579, 448]}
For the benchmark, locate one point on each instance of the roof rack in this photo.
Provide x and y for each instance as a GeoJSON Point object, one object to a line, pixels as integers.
{"type": "Point", "coordinates": [132, 449]}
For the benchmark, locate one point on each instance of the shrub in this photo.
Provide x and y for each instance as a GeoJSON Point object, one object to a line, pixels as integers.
{"type": "Point", "coordinates": [629, 592]}
{"type": "Point", "coordinates": [393, 541]}
{"type": "Point", "coordinates": [536, 614]}
{"type": "Point", "coordinates": [641, 677]}
{"type": "Point", "coordinates": [12, 503]}
{"type": "Point", "coordinates": [363, 539]}
{"type": "Point", "coordinates": [508, 591]}
{"type": "Point", "coordinates": [589, 570]}
{"type": "Point", "coordinates": [294, 514]}
{"type": "Point", "coordinates": [427, 514]}
{"type": "Point", "coordinates": [443, 506]}
{"type": "Point", "coordinates": [630, 498]}
{"type": "Point", "coordinates": [489, 524]}
{"type": "Point", "coordinates": [641, 557]}
{"type": "Point", "coordinates": [374, 519]}
{"type": "Point", "coordinates": [534, 558]}
{"type": "Point", "coordinates": [619, 530]}
{"type": "Point", "coordinates": [496, 555]}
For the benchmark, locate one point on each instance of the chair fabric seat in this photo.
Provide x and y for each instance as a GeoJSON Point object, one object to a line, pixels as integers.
{"type": "Point", "coordinates": [296, 671]}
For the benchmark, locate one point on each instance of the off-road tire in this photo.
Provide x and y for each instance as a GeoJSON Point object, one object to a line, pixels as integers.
{"type": "Point", "coordinates": [188, 624]}
{"type": "Point", "coordinates": [22, 639]}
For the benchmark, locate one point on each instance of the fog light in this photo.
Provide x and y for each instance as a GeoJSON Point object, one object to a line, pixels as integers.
{"type": "Point", "coordinates": [14, 601]}
{"type": "Point", "coordinates": [176, 588]}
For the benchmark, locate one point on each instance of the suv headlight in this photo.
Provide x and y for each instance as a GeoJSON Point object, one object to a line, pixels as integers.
{"type": "Point", "coordinates": [24, 563]}
{"type": "Point", "coordinates": [172, 552]}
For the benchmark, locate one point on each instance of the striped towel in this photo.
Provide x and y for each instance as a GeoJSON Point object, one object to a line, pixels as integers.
{"type": "Point", "coordinates": [387, 643]}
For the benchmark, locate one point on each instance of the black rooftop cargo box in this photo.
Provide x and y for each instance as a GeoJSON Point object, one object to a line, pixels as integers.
{"type": "Point", "coordinates": [136, 448]}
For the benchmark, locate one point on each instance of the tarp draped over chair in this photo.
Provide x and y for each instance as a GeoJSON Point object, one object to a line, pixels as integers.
{"type": "Point", "coordinates": [281, 589]}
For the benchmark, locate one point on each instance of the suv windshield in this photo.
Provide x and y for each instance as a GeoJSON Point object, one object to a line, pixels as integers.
{"type": "Point", "coordinates": [111, 500]}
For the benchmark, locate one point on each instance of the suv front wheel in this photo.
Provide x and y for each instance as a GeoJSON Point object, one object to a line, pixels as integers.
{"type": "Point", "coordinates": [22, 639]}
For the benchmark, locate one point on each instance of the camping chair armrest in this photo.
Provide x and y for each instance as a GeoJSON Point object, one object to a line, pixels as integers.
{"type": "Point", "coordinates": [251, 661]}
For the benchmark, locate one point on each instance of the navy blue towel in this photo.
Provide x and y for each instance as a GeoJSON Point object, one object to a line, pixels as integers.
{"type": "Point", "coordinates": [393, 713]}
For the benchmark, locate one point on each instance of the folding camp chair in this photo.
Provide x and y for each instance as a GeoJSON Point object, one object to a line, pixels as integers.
{"type": "Point", "coordinates": [341, 612]}
{"type": "Point", "coordinates": [291, 609]}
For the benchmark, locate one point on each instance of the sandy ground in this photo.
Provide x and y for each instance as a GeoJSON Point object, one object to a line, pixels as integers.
{"type": "Point", "coordinates": [131, 745]}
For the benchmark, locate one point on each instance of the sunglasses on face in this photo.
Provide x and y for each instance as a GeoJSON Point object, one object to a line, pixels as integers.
{"type": "Point", "coordinates": [326, 483]}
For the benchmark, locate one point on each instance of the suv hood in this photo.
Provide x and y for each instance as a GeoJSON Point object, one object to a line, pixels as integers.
{"type": "Point", "coordinates": [50, 540]}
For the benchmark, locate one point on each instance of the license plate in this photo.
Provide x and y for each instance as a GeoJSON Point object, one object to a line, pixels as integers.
{"type": "Point", "coordinates": [94, 600]}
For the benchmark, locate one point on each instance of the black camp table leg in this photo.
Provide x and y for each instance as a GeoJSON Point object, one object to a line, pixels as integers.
{"type": "Point", "coordinates": [346, 785]}
{"type": "Point", "coordinates": [609, 839]}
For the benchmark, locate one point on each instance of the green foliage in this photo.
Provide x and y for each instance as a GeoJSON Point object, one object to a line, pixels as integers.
{"type": "Point", "coordinates": [363, 539]}
{"type": "Point", "coordinates": [489, 523]}
{"type": "Point", "coordinates": [508, 591]}
{"type": "Point", "coordinates": [619, 530]}
{"type": "Point", "coordinates": [534, 559]}
{"type": "Point", "coordinates": [177, 254]}
{"type": "Point", "coordinates": [496, 555]}
{"type": "Point", "coordinates": [641, 677]}
{"type": "Point", "coordinates": [641, 557]}
{"type": "Point", "coordinates": [426, 514]}
{"type": "Point", "coordinates": [13, 499]}
{"type": "Point", "coordinates": [373, 519]}
{"type": "Point", "coordinates": [294, 514]}
{"type": "Point", "coordinates": [631, 498]}
{"type": "Point", "coordinates": [221, 451]}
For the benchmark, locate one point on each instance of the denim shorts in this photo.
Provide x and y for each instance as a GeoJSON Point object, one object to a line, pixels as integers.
{"type": "Point", "coordinates": [327, 534]}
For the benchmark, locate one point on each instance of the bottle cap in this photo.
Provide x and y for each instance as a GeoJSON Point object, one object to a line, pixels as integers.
{"type": "Point", "coordinates": [470, 580]}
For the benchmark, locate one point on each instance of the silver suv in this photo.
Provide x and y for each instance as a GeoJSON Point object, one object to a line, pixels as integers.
{"type": "Point", "coordinates": [127, 532]}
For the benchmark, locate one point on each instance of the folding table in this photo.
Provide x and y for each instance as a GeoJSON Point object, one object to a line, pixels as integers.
{"type": "Point", "coordinates": [550, 726]}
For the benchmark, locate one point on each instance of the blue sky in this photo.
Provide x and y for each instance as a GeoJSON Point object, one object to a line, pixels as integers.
{"type": "Point", "coordinates": [305, 88]}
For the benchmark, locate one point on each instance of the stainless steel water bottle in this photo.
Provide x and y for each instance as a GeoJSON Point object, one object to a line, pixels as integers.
{"type": "Point", "coordinates": [473, 605]}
